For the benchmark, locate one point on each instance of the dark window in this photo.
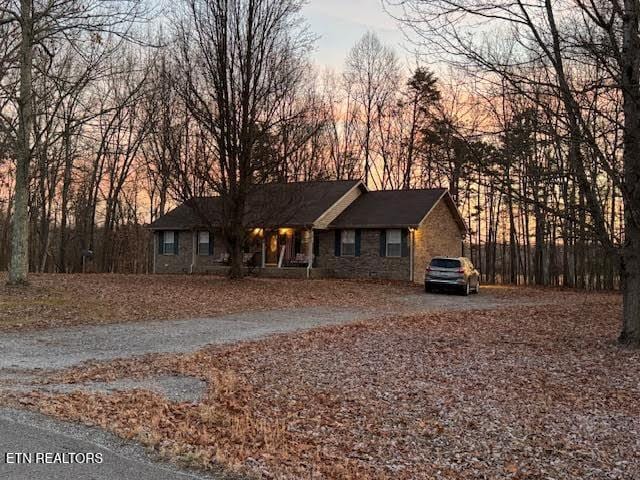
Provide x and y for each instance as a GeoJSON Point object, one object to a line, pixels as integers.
{"type": "Point", "coordinates": [445, 263]}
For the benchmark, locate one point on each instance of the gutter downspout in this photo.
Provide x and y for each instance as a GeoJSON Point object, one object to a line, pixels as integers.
{"type": "Point", "coordinates": [194, 245]}
{"type": "Point", "coordinates": [310, 253]}
{"type": "Point", "coordinates": [155, 250]}
{"type": "Point", "coordinates": [411, 250]}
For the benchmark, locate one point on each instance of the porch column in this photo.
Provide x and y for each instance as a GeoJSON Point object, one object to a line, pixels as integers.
{"type": "Point", "coordinates": [263, 250]}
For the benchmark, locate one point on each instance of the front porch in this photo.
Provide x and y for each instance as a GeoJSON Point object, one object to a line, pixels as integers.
{"type": "Point", "coordinates": [282, 247]}
{"type": "Point", "coordinates": [276, 252]}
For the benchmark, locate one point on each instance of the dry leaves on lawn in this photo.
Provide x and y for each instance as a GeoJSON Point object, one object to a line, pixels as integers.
{"type": "Point", "coordinates": [54, 300]}
{"type": "Point", "coordinates": [525, 392]}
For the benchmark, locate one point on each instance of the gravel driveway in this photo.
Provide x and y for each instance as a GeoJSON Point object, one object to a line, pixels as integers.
{"type": "Point", "coordinates": [59, 348]}
{"type": "Point", "coordinates": [64, 347]}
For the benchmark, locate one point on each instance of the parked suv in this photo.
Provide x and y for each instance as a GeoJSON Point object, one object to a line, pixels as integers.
{"type": "Point", "coordinates": [452, 272]}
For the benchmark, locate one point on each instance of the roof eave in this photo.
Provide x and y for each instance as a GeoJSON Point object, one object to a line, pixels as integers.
{"type": "Point", "coordinates": [174, 228]}
{"type": "Point", "coordinates": [374, 226]}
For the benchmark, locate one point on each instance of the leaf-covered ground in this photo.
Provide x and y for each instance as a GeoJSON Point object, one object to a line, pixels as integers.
{"type": "Point", "coordinates": [53, 300]}
{"type": "Point", "coordinates": [537, 392]}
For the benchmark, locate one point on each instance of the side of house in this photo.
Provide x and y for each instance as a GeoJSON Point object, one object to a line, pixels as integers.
{"type": "Point", "coordinates": [439, 234]}
{"type": "Point", "coordinates": [188, 251]}
{"type": "Point", "coordinates": [391, 235]}
{"type": "Point", "coordinates": [364, 253]}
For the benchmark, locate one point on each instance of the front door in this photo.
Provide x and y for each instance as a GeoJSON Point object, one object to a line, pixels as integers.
{"type": "Point", "coordinates": [272, 248]}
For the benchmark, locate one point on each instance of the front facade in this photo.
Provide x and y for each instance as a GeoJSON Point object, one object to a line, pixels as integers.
{"type": "Point", "coordinates": [318, 229]}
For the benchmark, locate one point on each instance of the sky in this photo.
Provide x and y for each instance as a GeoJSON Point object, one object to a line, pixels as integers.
{"type": "Point", "coordinates": [341, 23]}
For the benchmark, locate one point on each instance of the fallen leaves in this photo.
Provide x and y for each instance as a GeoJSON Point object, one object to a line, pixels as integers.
{"type": "Point", "coordinates": [530, 392]}
{"type": "Point", "coordinates": [53, 300]}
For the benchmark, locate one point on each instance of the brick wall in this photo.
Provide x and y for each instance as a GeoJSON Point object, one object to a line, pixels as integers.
{"type": "Point", "coordinates": [171, 263]}
{"type": "Point", "coordinates": [368, 265]}
{"type": "Point", "coordinates": [209, 263]}
{"type": "Point", "coordinates": [181, 263]}
{"type": "Point", "coordinates": [439, 235]}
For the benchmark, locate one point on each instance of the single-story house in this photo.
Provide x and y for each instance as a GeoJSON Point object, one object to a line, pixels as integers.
{"type": "Point", "coordinates": [317, 229]}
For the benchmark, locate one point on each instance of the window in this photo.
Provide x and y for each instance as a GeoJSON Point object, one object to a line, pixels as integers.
{"type": "Point", "coordinates": [445, 263]}
{"type": "Point", "coordinates": [348, 243]}
{"type": "Point", "coordinates": [203, 243]}
{"type": "Point", "coordinates": [168, 246]}
{"type": "Point", "coordinates": [394, 243]}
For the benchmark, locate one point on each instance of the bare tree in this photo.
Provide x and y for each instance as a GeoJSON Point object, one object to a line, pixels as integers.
{"type": "Point", "coordinates": [553, 39]}
{"type": "Point", "coordinates": [38, 26]}
{"type": "Point", "coordinates": [238, 60]}
{"type": "Point", "coordinates": [372, 75]}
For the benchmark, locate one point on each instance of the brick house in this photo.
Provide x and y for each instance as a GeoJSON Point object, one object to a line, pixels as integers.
{"type": "Point", "coordinates": [317, 229]}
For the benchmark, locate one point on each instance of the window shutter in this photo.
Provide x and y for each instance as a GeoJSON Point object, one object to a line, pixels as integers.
{"type": "Point", "coordinates": [337, 243]}
{"type": "Point", "coordinates": [210, 243]}
{"type": "Point", "coordinates": [357, 242]}
{"type": "Point", "coordinates": [297, 242]}
{"type": "Point", "coordinates": [176, 242]}
{"type": "Point", "coordinates": [383, 243]}
{"type": "Point", "coordinates": [316, 244]}
{"type": "Point", "coordinates": [160, 242]}
{"type": "Point", "coordinates": [405, 243]}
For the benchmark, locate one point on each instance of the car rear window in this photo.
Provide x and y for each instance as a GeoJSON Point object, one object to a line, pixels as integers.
{"type": "Point", "coordinates": [445, 263]}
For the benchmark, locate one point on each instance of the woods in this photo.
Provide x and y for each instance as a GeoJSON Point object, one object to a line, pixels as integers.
{"type": "Point", "coordinates": [530, 117]}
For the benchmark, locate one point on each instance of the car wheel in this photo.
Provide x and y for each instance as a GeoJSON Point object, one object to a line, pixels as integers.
{"type": "Point", "coordinates": [427, 288]}
{"type": "Point", "coordinates": [466, 289]}
{"type": "Point", "coordinates": [477, 289]}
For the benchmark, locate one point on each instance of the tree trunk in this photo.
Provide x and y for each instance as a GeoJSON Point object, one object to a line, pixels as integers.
{"type": "Point", "coordinates": [235, 268]}
{"type": "Point", "coordinates": [64, 206]}
{"type": "Point", "coordinates": [539, 246]}
{"type": "Point", "coordinates": [630, 265]}
{"type": "Point", "coordinates": [19, 265]}
{"type": "Point", "coordinates": [630, 278]}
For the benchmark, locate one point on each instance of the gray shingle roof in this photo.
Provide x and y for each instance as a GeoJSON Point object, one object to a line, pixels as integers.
{"type": "Point", "coordinates": [294, 204]}
{"type": "Point", "coordinates": [393, 209]}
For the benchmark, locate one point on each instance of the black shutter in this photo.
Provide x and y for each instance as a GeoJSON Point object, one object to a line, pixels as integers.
{"type": "Point", "coordinates": [297, 242]}
{"type": "Point", "coordinates": [337, 244]}
{"type": "Point", "coordinates": [405, 244]}
{"type": "Point", "coordinates": [160, 242]}
{"type": "Point", "coordinates": [316, 243]}
{"type": "Point", "coordinates": [383, 243]}
{"type": "Point", "coordinates": [176, 242]}
{"type": "Point", "coordinates": [358, 235]}
{"type": "Point", "coordinates": [210, 243]}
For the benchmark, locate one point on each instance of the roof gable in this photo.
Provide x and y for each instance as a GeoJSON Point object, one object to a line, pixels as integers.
{"type": "Point", "coordinates": [394, 209]}
{"type": "Point", "coordinates": [275, 204]}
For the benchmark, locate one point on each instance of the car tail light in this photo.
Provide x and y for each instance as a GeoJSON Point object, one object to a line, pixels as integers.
{"type": "Point", "coordinates": [461, 270]}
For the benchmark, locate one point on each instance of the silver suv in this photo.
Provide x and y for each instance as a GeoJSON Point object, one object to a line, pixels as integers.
{"type": "Point", "coordinates": [452, 272]}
